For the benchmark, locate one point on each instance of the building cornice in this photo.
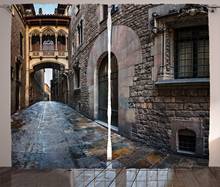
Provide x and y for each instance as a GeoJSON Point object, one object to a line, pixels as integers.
{"type": "Point", "coordinates": [41, 20]}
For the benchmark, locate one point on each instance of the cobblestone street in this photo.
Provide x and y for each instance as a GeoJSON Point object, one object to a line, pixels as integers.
{"type": "Point", "coordinates": [53, 135]}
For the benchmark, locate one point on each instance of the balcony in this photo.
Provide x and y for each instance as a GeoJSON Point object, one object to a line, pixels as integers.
{"type": "Point", "coordinates": [51, 53]}
{"type": "Point", "coordinates": [48, 43]}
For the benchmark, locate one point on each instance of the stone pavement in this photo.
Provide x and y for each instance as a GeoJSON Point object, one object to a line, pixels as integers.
{"type": "Point", "coordinates": [51, 135]}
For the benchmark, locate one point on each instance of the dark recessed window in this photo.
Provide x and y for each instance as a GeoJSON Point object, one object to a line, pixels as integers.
{"type": "Point", "coordinates": [77, 9]}
{"type": "Point", "coordinates": [77, 78]}
{"type": "Point", "coordinates": [105, 12]}
{"type": "Point", "coordinates": [187, 140]}
{"type": "Point", "coordinates": [21, 45]}
{"type": "Point", "coordinates": [192, 53]}
{"type": "Point", "coordinates": [35, 43]}
{"type": "Point", "coordinates": [80, 33]}
{"type": "Point", "coordinates": [114, 8]}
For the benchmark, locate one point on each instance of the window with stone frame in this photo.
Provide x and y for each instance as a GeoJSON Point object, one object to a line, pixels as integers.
{"type": "Point", "coordinates": [180, 44]}
{"type": "Point", "coordinates": [192, 53]}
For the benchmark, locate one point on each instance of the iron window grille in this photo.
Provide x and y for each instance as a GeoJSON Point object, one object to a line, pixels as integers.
{"type": "Point", "coordinates": [192, 53]}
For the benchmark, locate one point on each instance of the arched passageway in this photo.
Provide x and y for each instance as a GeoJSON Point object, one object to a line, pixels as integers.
{"type": "Point", "coordinates": [52, 65]}
{"type": "Point", "coordinates": [41, 88]}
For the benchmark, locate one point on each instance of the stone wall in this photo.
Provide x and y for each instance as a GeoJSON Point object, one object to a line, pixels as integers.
{"type": "Point", "coordinates": [80, 55]}
{"type": "Point", "coordinates": [92, 29]}
{"type": "Point", "coordinates": [156, 107]}
{"type": "Point", "coordinates": [18, 28]}
{"type": "Point", "coordinates": [37, 86]}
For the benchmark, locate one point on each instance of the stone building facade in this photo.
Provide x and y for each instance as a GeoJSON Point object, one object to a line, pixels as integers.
{"type": "Point", "coordinates": [161, 77]}
{"type": "Point", "coordinates": [47, 48]}
{"type": "Point", "coordinates": [60, 86]}
{"type": "Point", "coordinates": [39, 41]}
{"type": "Point", "coordinates": [18, 54]}
{"type": "Point", "coordinates": [36, 88]}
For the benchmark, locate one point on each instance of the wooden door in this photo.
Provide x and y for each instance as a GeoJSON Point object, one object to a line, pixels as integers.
{"type": "Point", "coordinates": [103, 90]}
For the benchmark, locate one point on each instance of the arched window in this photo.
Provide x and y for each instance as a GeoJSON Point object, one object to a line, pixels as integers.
{"type": "Point", "coordinates": [35, 40]}
{"type": "Point", "coordinates": [187, 140]}
{"type": "Point", "coordinates": [79, 33]}
{"type": "Point", "coordinates": [48, 45]}
{"type": "Point", "coordinates": [61, 40]}
{"type": "Point", "coordinates": [48, 40]}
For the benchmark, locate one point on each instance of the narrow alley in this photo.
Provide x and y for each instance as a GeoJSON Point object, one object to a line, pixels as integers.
{"type": "Point", "coordinates": [52, 135]}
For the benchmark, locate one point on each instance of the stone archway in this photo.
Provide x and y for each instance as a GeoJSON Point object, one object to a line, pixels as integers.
{"type": "Point", "coordinates": [48, 63]}
{"type": "Point", "coordinates": [37, 81]}
{"type": "Point", "coordinates": [127, 50]}
{"type": "Point", "coordinates": [52, 65]}
{"type": "Point", "coordinates": [38, 63]}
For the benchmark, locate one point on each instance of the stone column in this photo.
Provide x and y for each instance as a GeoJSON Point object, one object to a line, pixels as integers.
{"type": "Point", "coordinates": [56, 36]}
{"type": "Point", "coordinates": [30, 42]}
{"type": "Point", "coordinates": [41, 48]}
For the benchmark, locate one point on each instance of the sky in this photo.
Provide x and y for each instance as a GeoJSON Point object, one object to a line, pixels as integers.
{"type": "Point", "coordinates": [47, 76]}
{"type": "Point", "coordinates": [46, 9]}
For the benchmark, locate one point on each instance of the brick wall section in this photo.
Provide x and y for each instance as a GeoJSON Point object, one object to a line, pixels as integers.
{"type": "Point", "coordinates": [155, 107]}
{"type": "Point", "coordinates": [17, 28]}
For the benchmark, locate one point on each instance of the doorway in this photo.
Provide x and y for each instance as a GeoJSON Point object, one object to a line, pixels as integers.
{"type": "Point", "coordinates": [103, 90]}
